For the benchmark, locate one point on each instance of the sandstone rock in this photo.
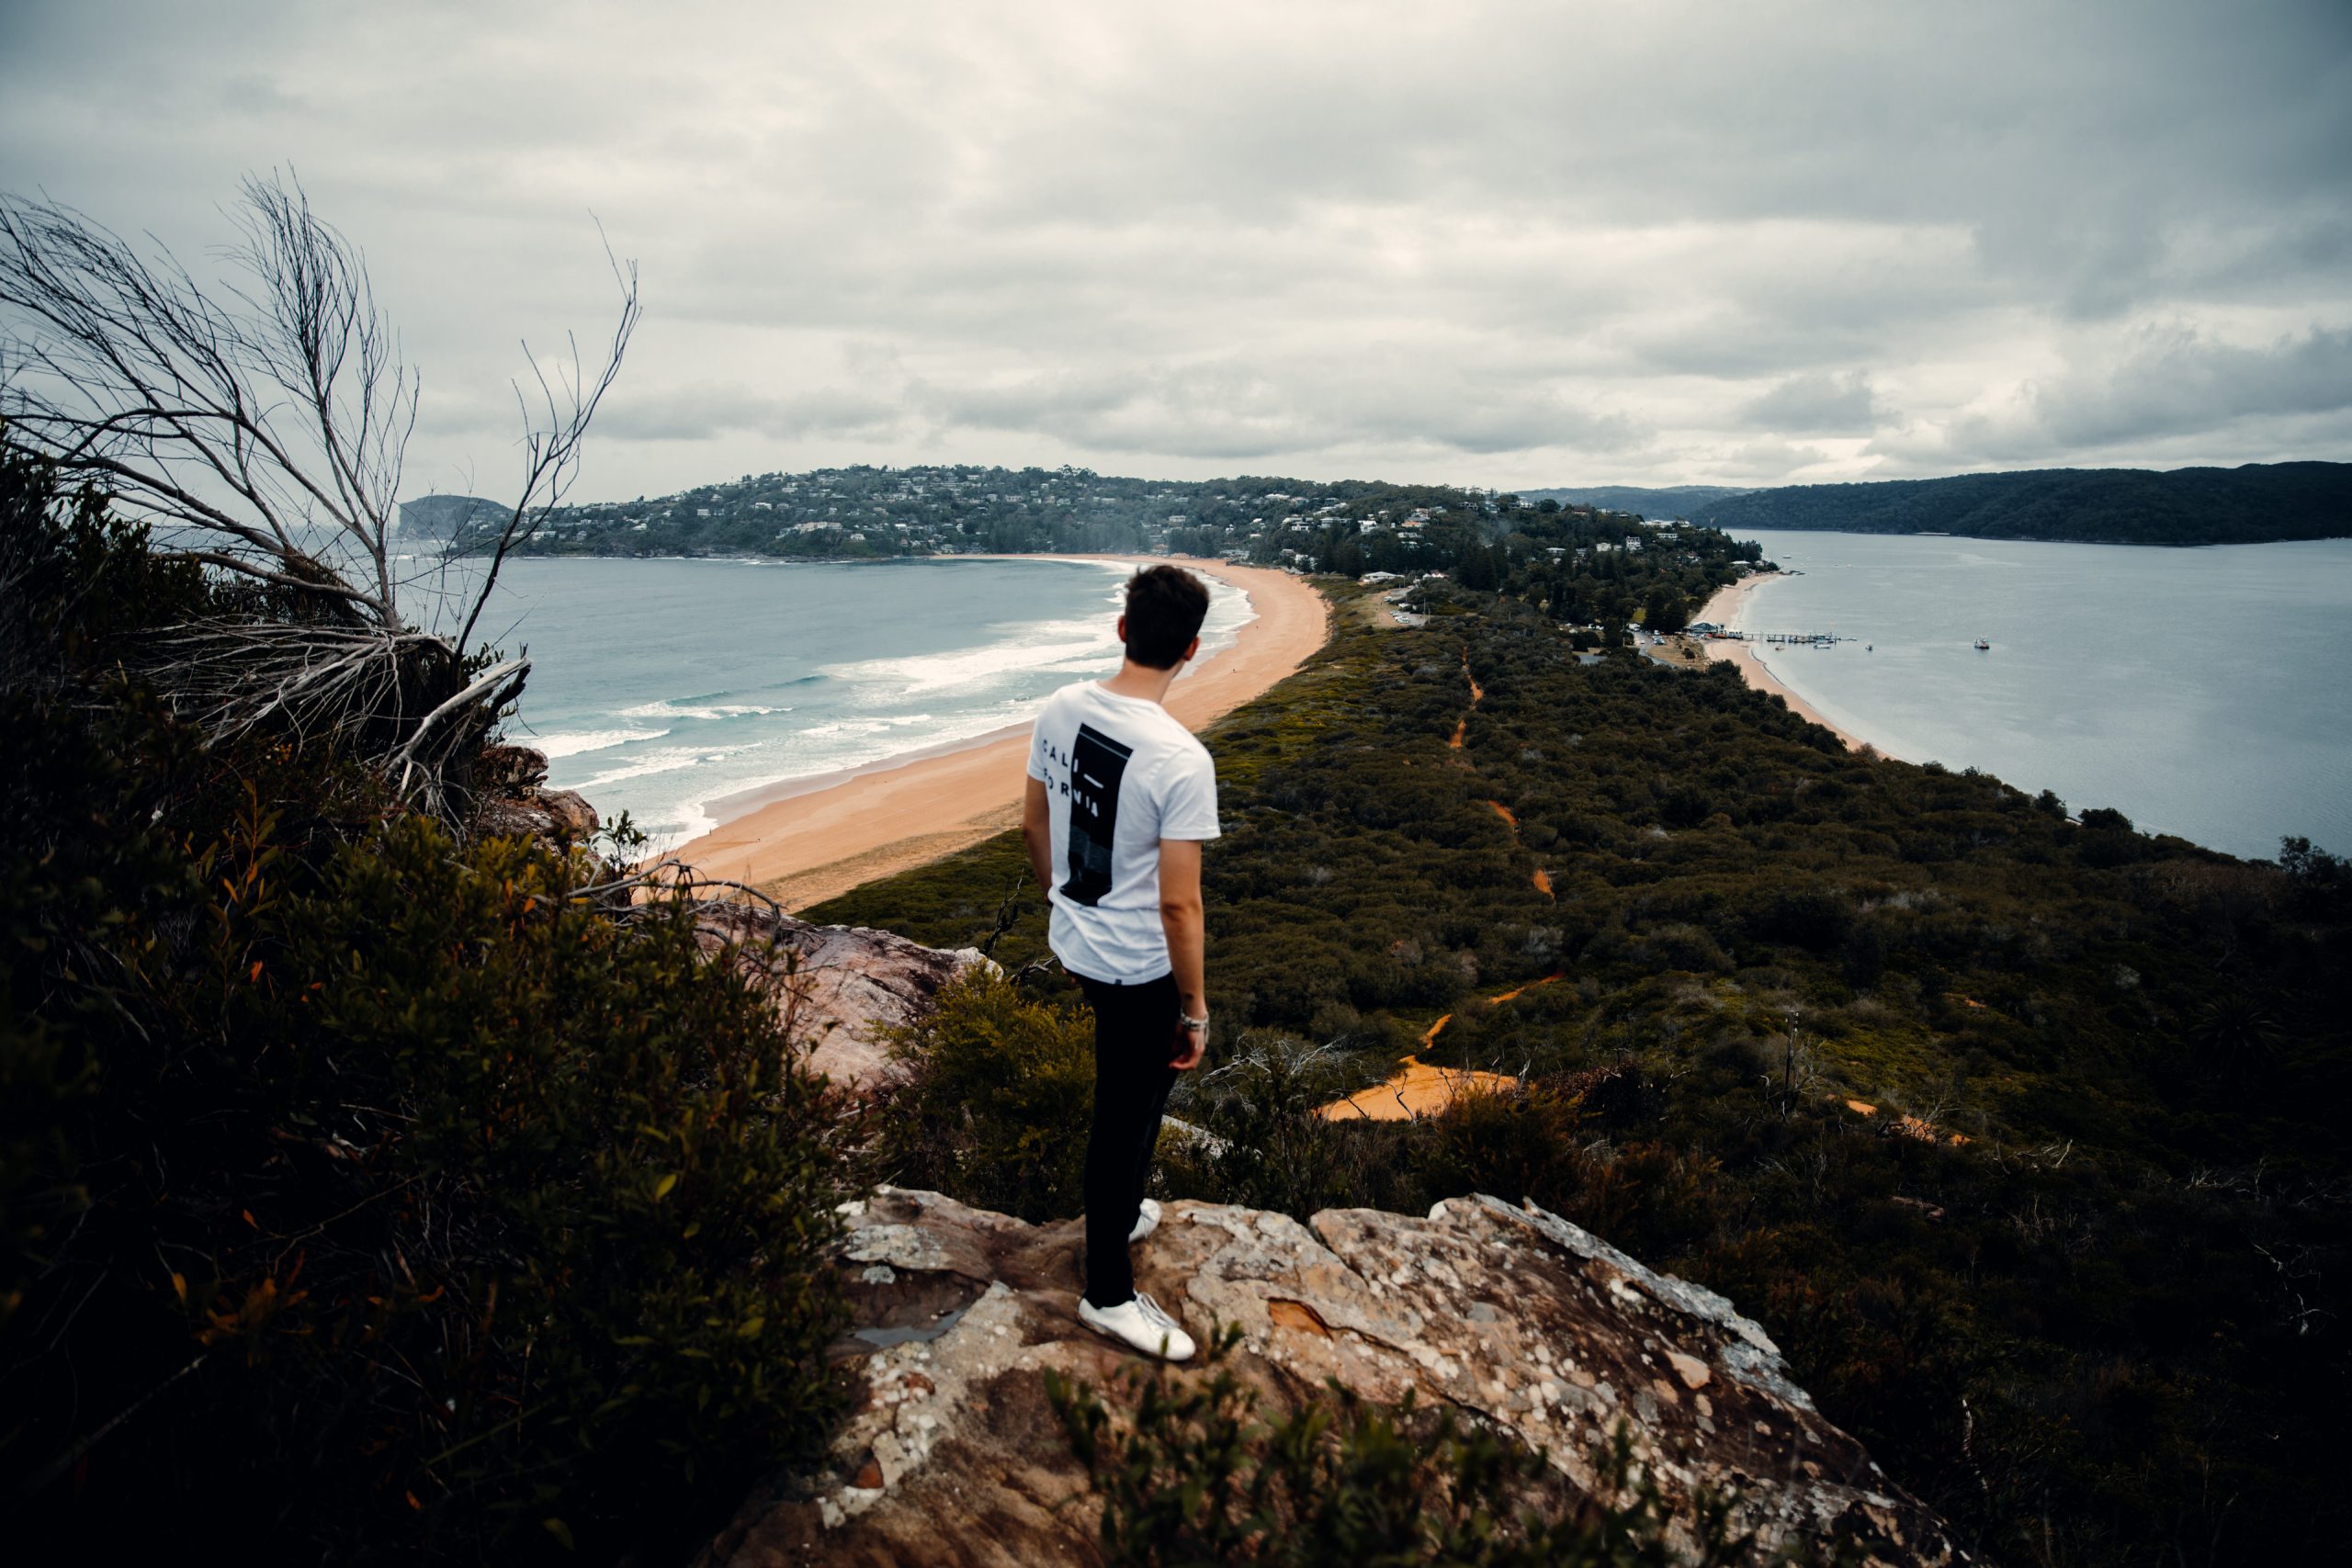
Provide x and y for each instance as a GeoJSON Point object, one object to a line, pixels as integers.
{"type": "Point", "coordinates": [513, 817]}
{"type": "Point", "coordinates": [837, 984]}
{"type": "Point", "coordinates": [576, 820]}
{"type": "Point", "coordinates": [559, 818]}
{"type": "Point", "coordinates": [1512, 1315]}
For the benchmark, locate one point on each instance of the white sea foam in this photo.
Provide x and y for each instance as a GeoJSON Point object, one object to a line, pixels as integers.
{"type": "Point", "coordinates": [665, 708]}
{"type": "Point", "coordinates": [1056, 645]}
{"type": "Point", "coordinates": [573, 743]}
{"type": "Point", "coordinates": [668, 760]}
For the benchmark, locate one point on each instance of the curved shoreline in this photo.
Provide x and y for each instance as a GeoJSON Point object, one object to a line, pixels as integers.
{"type": "Point", "coordinates": [1722, 607]}
{"type": "Point", "coordinates": [807, 840]}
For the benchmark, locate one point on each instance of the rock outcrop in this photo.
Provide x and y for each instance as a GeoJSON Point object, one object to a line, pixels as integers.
{"type": "Point", "coordinates": [1509, 1315]}
{"type": "Point", "coordinates": [514, 802]}
{"type": "Point", "coordinates": [839, 985]}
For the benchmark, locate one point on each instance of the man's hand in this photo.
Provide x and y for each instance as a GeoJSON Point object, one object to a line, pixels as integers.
{"type": "Point", "coordinates": [1191, 1045]}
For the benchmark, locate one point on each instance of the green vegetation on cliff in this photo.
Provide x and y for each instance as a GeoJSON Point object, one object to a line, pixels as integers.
{"type": "Point", "coordinates": [367, 1193]}
{"type": "Point", "coordinates": [2246, 505]}
{"type": "Point", "coordinates": [2022, 1134]}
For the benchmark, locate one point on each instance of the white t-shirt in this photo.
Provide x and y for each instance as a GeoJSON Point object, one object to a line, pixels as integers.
{"type": "Point", "coordinates": [1120, 776]}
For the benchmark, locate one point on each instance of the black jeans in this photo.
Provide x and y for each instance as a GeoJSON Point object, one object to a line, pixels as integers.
{"type": "Point", "coordinates": [1135, 1036]}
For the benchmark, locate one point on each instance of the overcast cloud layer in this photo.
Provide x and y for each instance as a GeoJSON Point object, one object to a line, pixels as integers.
{"type": "Point", "coordinates": [1504, 244]}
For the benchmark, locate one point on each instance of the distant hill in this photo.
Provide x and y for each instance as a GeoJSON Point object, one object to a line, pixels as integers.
{"type": "Point", "coordinates": [2253, 504]}
{"type": "Point", "coordinates": [1677, 500]}
{"type": "Point", "coordinates": [447, 516]}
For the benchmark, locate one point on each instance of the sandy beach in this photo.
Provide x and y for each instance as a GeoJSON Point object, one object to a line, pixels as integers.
{"type": "Point", "coordinates": [1722, 608]}
{"type": "Point", "coordinates": [809, 840]}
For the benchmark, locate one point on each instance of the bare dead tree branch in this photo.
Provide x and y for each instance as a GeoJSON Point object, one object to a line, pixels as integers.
{"type": "Point", "coordinates": [260, 429]}
{"type": "Point", "coordinates": [552, 445]}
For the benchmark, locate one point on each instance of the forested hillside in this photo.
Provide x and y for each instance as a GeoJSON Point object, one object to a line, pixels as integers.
{"type": "Point", "coordinates": [2020, 1131]}
{"type": "Point", "coordinates": [1671, 500]}
{"type": "Point", "coordinates": [2247, 505]}
{"type": "Point", "coordinates": [864, 512]}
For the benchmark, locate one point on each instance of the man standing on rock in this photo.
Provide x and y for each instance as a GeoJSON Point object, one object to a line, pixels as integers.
{"type": "Point", "coordinates": [1121, 798]}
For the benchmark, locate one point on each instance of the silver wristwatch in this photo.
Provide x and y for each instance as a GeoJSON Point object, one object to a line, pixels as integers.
{"type": "Point", "coordinates": [1192, 1025]}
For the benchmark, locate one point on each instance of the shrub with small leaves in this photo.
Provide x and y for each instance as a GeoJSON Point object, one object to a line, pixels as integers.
{"type": "Point", "coordinates": [995, 1109]}
{"type": "Point", "coordinates": [364, 1194]}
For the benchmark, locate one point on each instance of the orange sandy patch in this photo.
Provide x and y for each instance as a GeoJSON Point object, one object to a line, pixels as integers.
{"type": "Point", "coordinates": [1459, 726]}
{"type": "Point", "coordinates": [1515, 992]}
{"type": "Point", "coordinates": [1543, 880]}
{"type": "Point", "coordinates": [1419, 1089]}
{"type": "Point", "coordinates": [1505, 813]}
{"type": "Point", "coordinates": [1907, 1125]}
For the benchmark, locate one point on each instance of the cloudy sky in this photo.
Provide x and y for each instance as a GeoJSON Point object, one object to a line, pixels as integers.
{"type": "Point", "coordinates": [1514, 245]}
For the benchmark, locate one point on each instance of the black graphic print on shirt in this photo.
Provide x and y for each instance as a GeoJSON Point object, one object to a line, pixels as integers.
{"type": "Point", "coordinates": [1097, 764]}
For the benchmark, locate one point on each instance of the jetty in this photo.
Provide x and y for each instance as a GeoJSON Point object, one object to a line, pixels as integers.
{"type": "Point", "coordinates": [1819, 639]}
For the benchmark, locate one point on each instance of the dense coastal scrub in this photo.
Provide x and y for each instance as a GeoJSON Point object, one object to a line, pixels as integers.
{"type": "Point", "coordinates": [2019, 1129]}
{"type": "Point", "coordinates": [370, 1192]}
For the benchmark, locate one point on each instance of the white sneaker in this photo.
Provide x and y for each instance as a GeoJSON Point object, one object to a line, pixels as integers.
{"type": "Point", "coordinates": [1146, 1221]}
{"type": "Point", "coordinates": [1141, 1325]}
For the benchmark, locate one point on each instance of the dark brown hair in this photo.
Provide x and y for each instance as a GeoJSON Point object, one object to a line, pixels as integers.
{"type": "Point", "coordinates": [1166, 605]}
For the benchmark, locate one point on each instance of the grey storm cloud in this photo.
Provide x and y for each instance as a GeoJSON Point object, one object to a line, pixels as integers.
{"type": "Point", "coordinates": [1493, 242]}
{"type": "Point", "coordinates": [2173, 385]}
{"type": "Point", "coordinates": [1818, 403]}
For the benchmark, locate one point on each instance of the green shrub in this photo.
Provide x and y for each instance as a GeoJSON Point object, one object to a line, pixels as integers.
{"type": "Point", "coordinates": [368, 1195]}
{"type": "Point", "coordinates": [997, 1102]}
{"type": "Point", "coordinates": [1267, 1148]}
{"type": "Point", "coordinates": [640, 1159]}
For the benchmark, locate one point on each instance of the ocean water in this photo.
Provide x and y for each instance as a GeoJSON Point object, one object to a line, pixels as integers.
{"type": "Point", "coordinates": [2206, 693]}
{"type": "Point", "coordinates": [659, 687]}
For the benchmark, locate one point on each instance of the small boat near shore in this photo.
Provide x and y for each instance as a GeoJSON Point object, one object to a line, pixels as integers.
{"type": "Point", "coordinates": [1982, 646]}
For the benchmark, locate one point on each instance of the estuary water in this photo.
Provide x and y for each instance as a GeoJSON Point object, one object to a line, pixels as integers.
{"type": "Point", "coordinates": [659, 686]}
{"type": "Point", "coordinates": [2205, 692]}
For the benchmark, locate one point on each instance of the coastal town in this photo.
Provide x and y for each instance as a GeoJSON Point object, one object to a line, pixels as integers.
{"type": "Point", "coordinates": [873, 512]}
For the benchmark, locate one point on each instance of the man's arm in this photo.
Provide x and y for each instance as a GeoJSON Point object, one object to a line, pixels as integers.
{"type": "Point", "coordinates": [1037, 832]}
{"type": "Point", "coordinates": [1181, 918]}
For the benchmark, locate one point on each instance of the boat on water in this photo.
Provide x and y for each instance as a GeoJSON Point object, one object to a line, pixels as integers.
{"type": "Point", "coordinates": [1982, 646]}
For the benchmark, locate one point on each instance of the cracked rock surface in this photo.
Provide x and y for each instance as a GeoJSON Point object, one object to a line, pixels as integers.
{"type": "Point", "coordinates": [1512, 1315]}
